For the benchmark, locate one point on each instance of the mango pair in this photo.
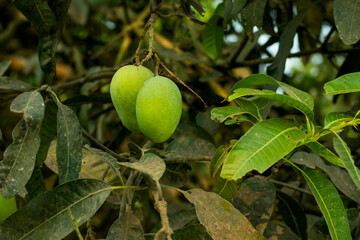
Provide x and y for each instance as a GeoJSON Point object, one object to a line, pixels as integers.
{"type": "Point", "coordinates": [146, 103]}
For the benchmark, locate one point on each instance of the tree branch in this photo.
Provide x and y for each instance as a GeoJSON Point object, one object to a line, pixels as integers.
{"type": "Point", "coordinates": [299, 54]}
{"type": "Point", "coordinates": [99, 144]}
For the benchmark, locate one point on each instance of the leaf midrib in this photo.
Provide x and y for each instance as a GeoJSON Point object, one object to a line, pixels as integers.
{"type": "Point", "coordinates": [65, 209]}
{"type": "Point", "coordinates": [259, 149]}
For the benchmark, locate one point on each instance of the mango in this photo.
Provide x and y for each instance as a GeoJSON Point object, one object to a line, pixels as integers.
{"type": "Point", "coordinates": [7, 207]}
{"type": "Point", "coordinates": [124, 88]}
{"type": "Point", "coordinates": [158, 108]}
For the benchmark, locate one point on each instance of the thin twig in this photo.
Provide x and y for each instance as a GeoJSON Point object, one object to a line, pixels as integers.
{"type": "Point", "coordinates": [93, 77]}
{"type": "Point", "coordinates": [290, 186]}
{"type": "Point", "coordinates": [186, 160]}
{"type": "Point", "coordinates": [178, 79]}
{"type": "Point", "coordinates": [299, 54]}
{"type": "Point", "coordinates": [119, 157]}
{"type": "Point", "coordinates": [238, 49]}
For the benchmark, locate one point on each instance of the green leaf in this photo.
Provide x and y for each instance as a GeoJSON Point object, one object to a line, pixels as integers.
{"type": "Point", "coordinates": [292, 214]}
{"type": "Point", "coordinates": [47, 131]}
{"type": "Point", "coordinates": [261, 79]}
{"type": "Point", "coordinates": [150, 164]}
{"type": "Point", "coordinates": [237, 120]}
{"type": "Point", "coordinates": [324, 152]}
{"type": "Point", "coordinates": [347, 83]}
{"type": "Point", "coordinates": [345, 154]}
{"type": "Point", "coordinates": [219, 217]}
{"type": "Point", "coordinates": [337, 119]}
{"type": "Point", "coordinates": [213, 36]}
{"type": "Point", "coordinates": [46, 217]}
{"type": "Point", "coordinates": [31, 104]}
{"type": "Point", "coordinates": [222, 114]}
{"type": "Point", "coordinates": [241, 92]}
{"type": "Point", "coordinates": [69, 144]}
{"type": "Point", "coordinates": [126, 227]}
{"type": "Point", "coordinates": [329, 202]}
{"type": "Point", "coordinates": [256, 200]}
{"type": "Point", "coordinates": [4, 65]}
{"type": "Point", "coordinates": [262, 146]}
{"type": "Point", "coordinates": [225, 188]}
{"type": "Point", "coordinates": [339, 177]}
{"type": "Point", "coordinates": [35, 186]}
{"type": "Point", "coordinates": [9, 83]}
{"type": "Point", "coordinates": [218, 159]}
{"type": "Point", "coordinates": [347, 20]}
{"type": "Point", "coordinates": [252, 15]}
{"type": "Point", "coordinates": [19, 160]}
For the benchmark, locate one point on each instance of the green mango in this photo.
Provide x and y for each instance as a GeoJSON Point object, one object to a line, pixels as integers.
{"type": "Point", "coordinates": [158, 108]}
{"type": "Point", "coordinates": [7, 207]}
{"type": "Point", "coordinates": [124, 88]}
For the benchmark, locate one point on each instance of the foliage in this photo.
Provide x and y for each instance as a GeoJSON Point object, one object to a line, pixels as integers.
{"type": "Point", "coordinates": [275, 155]}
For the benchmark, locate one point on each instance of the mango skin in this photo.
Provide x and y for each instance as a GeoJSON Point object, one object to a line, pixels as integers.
{"type": "Point", "coordinates": [7, 207]}
{"type": "Point", "coordinates": [124, 88]}
{"type": "Point", "coordinates": [158, 108]}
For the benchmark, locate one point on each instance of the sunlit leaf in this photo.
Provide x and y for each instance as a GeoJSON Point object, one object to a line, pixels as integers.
{"type": "Point", "coordinates": [19, 160]}
{"type": "Point", "coordinates": [150, 164]}
{"type": "Point", "coordinates": [69, 144]}
{"type": "Point", "coordinates": [241, 92]}
{"type": "Point", "coordinates": [31, 104]}
{"type": "Point", "coordinates": [261, 79]}
{"type": "Point", "coordinates": [219, 217]}
{"type": "Point", "coordinates": [345, 84]}
{"type": "Point", "coordinates": [222, 114]}
{"type": "Point", "coordinates": [126, 227]}
{"type": "Point", "coordinates": [46, 217]}
{"type": "Point", "coordinates": [324, 152]}
{"type": "Point", "coordinates": [345, 154]}
{"type": "Point", "coordinates": [336, 119]}
{"type": "Point", "coordinates": [262, 146]}
{"type": "Point", "coordinates": [347, 20]}
{"type": "Point", "coordinates": [329, 202]}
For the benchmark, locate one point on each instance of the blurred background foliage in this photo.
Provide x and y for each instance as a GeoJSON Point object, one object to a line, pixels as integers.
{"type": "Point", "coordinates": [99, 36]}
